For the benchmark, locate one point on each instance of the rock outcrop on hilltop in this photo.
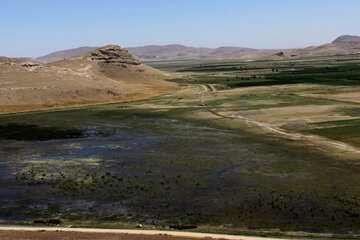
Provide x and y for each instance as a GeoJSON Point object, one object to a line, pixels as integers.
{"type": "Point", "coordinates": [113, 54]}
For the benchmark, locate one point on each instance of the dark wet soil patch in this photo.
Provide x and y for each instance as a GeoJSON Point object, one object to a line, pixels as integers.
{"type": "Point", "coordinates": [31, 132]}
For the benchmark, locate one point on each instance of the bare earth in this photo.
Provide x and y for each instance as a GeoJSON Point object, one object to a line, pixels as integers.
{"type": "Point", "coordinates": [8, 233]}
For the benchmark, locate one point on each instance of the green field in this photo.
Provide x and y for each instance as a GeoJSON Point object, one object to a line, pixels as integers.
{"type": "Point", "coordinates": [336, 71]}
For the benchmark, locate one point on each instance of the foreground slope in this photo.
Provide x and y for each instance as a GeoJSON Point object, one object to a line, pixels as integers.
{"type": "Point", "coordinates": [108, 74]}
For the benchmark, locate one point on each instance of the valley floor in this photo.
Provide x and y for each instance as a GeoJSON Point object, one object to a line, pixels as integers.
{"type": "Point", "coordinates": [284, 156]}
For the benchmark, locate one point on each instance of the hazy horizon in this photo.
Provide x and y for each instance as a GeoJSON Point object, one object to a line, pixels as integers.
{"type": "Point", "coordinates": [37, 28]}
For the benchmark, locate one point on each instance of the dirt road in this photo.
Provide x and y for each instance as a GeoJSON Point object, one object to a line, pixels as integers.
{"type": "Point", "coordinates": [56, 233]}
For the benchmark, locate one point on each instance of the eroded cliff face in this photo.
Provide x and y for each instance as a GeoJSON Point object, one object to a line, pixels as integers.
{"type": "Point", "coordinates": [113, 54]}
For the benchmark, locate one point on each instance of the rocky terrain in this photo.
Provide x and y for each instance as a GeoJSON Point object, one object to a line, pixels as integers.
{"type": "Point", "coordinates": [107, 74]}
{"type": "Point", "coordinates": [114, 54]}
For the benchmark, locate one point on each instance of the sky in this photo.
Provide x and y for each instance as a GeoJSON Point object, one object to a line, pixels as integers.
{"type": "Point", "coordinates": [38, 27]}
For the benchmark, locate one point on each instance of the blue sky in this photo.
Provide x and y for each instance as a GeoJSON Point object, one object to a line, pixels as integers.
{"type": "Point", "coordinates": [37, 27]}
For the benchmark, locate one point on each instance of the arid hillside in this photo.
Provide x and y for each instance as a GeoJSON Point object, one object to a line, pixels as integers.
{"type": "Point", "coordinates": [108, 74]}
{"type": "Point", "coordinates": [12, 60]}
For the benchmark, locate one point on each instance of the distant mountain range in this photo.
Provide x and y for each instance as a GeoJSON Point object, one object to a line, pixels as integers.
{"type": "Point", "coordinates": [342, 45]}
{"type": "Point", "coordinates": [60, 55]}
{"type": "Point", "coordinates": [175, 51]}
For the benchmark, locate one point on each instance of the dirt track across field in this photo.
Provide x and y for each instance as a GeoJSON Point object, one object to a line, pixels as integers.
{"type": "Point", "coordinates": [56, 233]}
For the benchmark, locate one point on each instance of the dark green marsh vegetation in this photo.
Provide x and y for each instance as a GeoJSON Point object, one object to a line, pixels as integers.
{"type": "Point", "coordinates": [157, 168]}
{"type": "Point", "coordinates": [33, 132]}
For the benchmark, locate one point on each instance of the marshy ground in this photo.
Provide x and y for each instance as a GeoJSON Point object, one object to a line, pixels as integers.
{"type": "Point", "coordinates": [254, 145]}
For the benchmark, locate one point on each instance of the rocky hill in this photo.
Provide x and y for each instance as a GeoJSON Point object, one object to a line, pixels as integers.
{"type": "Point", "coordinates": [107, 74]}
{"type": "Point", "coordinates": [113, 54]}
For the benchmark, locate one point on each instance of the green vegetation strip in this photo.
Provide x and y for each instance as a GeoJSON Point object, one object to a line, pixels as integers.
{"type": "Point", "coordinates": [350, 134]}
